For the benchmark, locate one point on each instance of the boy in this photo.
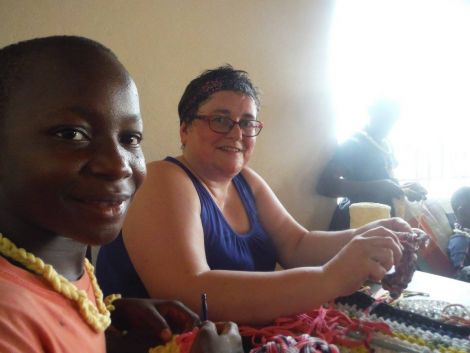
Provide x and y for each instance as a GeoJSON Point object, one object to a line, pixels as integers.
{"type": "Point", "coordinates": [70, 164]}
{"type": "Point", "coordinates": [459, 242]}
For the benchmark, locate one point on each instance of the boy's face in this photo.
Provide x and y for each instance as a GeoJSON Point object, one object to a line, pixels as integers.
{"type": "Point", "coordinates": [70, 158]}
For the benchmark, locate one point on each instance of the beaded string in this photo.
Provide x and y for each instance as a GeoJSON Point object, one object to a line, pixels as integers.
{"type": "Point", "coordinates": [98, 317]}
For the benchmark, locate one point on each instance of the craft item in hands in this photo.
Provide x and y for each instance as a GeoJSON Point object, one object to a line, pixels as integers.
{"type": "Point", "coordinates": [397, 281]}
{"type": "Point", "coordinates": [362, 213]}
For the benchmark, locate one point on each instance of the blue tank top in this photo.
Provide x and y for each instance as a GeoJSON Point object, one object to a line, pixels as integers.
{"type": "Point", "coordinates": [225, 249]}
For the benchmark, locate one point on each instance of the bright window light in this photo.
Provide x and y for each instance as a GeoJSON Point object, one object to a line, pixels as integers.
{"type": "Point", "coordinates": [417, 52]}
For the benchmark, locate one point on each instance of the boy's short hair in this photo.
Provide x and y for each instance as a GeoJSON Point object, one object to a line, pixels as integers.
{"type": "Point", "coordinates": [459, 197]}
{"type": "Point", "coordinates": [13, 56]}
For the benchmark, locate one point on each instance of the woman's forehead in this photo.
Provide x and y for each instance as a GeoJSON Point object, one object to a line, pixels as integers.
{"type": "Point", "coordinates": [230, 98]}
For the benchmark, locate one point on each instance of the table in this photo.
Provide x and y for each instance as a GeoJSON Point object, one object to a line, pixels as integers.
{"type": "Point", "coordinates": [441, 288]}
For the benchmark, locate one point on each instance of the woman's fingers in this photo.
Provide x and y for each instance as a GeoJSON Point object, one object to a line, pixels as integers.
{"type": "Point", "coordinates": [395, 224]}
{"type": "Point", "coordinates": [382, 238]}
{"type": "Point", "coordinates": [384, 257]}
{"type": "Point", "coordinates": [377, 271]}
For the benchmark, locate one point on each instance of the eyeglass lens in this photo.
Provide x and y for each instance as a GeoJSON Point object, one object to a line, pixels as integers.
{"type": "Point", "coordinates": [225, 124]}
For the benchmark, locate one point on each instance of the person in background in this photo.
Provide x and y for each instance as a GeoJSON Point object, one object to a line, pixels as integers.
{"type": "Point", "coordinates": [70, 164]}
{"type": "Point", "coordinates": [459, 241]}
{"type": "Point", "coordinates": [361, 169]}
{"type": "Point", "coordinates": [204, 222]}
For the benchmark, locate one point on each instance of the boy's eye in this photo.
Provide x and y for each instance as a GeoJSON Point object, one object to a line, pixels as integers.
{"type": "Point", "coordinates": [132, 139]}
{"type": "Point", "coordinates": [72, 134]}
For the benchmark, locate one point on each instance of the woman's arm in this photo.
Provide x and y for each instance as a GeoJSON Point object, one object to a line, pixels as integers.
{"type": "Point", "coordinates": [164, 236]}
{"type": "Point", "coordinates": [296, 245]}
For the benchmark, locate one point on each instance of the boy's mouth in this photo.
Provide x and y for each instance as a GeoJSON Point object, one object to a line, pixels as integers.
{"type": "Point", "coordinates": [107, 207]}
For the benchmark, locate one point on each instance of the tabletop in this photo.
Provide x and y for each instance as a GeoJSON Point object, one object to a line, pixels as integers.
{"type": "Point", "coordinates": [441, 288]}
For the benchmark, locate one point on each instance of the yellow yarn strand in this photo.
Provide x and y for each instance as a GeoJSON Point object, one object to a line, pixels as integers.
{"type": "Point", "coordinates": [108, 301]}
{"type": "Point", "coordinates": [98, 317]}
{"type": "Point", "coordinates": [169, 347]}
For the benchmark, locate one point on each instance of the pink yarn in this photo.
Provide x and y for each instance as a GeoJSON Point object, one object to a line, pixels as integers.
{"type": "Point", "coordinates": [328, 324]}
{"type": "Point", "coordinates": [185, 340]}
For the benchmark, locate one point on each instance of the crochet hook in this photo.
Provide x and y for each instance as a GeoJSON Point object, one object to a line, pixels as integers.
{"type": "Point", "coordinates": [205, 315]}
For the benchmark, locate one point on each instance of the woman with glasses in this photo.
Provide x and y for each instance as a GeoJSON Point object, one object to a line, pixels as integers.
{"type": "Point", "coordinates": [205, 222]}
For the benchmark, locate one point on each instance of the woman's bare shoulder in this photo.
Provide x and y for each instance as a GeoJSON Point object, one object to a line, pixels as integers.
{"type": "Point", "coordinates": [253, 179]}
{"type": "Point", "coordinates": [164, 169]}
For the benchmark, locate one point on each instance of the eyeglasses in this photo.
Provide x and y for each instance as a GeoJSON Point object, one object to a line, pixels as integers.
{"type": "Point", "coordinates": [223, 124]}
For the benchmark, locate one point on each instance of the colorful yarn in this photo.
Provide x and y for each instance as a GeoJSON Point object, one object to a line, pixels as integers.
{"type": "Point", "coordinates": [299, 344]}
{"type": "Point", "coordinates": [415, 338]}
{"type": "Point", "coordinates": [397, 281]}
{"type": "Point", "coordinates": [179, 343]}
{"type": "Point", "coordinates": [329, 324]}
{"type": "Point", "coordinates": [98, 317]}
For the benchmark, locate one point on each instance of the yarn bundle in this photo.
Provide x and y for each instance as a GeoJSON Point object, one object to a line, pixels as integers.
{"type": "Point", "coordinates": [328, 324]}
{"type": "Point", "coordinates": [397, 281]}
{"type": "Point", "coordinates": [300, 344]}
{"type": "Point", "coordinates": [179, 343]}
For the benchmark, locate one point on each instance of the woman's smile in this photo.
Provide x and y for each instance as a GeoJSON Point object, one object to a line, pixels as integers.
{"type": "Point", "coordinates": [231, 149]}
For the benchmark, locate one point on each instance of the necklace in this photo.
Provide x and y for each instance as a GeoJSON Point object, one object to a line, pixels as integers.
{"type": "Point", "coordinates": [98, 317]}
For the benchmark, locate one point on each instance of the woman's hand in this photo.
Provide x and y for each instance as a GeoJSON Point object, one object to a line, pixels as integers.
{"type": "Point", "coordinates": [152, 317]}
{"type": "Point", "coordinates": [223, 338]}
{"type": "Point", "coordinates": [368, 256]}
{"type": "Point", "coordinates": [395, 224]}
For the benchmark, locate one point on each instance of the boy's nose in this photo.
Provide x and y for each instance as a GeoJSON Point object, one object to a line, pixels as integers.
{"type": "Point", "coordinates": [111, 161]}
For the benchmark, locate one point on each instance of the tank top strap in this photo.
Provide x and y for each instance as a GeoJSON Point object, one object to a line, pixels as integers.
{"type": "Point", "coordinates": [197, 184]}
{"type": "Point", "coordinates": [246, 195]}
{"type": "Point", "coordinates": [244, 190]}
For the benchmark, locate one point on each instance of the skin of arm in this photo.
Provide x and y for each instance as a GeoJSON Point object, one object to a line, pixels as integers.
{"type": "Point", "coordinates": [164, 237]}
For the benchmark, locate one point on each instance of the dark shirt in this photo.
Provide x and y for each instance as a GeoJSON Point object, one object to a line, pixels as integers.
{"type": "Point", "coordinates": [361, 159]}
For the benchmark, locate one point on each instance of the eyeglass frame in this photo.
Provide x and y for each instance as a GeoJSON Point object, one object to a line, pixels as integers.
{"type": "Point", "coordinates": [210, 117]}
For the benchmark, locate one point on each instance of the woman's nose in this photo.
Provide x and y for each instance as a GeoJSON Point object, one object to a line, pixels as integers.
{"type": "Point", "coordinates": [236, 132]}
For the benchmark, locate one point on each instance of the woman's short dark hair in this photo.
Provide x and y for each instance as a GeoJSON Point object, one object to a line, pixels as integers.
{"type": "Point", "coordinates": [223, 78]}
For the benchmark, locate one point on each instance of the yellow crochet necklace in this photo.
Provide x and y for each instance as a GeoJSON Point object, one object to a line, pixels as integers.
{"type": "Point", "coordinates": [98, 317]}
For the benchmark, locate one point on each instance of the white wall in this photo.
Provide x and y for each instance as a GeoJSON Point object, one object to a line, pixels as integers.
{"type": "Point", "coordinates": [164, 44]}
